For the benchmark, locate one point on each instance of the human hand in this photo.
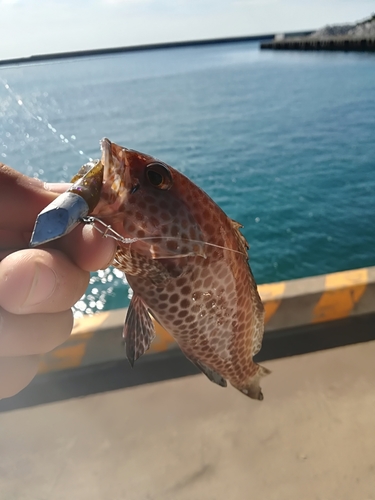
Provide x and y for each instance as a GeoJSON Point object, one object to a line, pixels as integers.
{"type": "Point", "coordinates": [38, 286]}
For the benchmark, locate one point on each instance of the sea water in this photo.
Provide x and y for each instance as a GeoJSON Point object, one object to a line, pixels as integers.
{"type": "Point", "coordinates": [284, 142]}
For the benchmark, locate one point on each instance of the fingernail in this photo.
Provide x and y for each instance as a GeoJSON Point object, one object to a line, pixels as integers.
{"type": "Point", "coordinates": [57, 187]}
{"type": "Point", "coordinates": [43, 285]}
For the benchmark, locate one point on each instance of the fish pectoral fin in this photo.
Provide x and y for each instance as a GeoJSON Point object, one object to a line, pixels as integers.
{"type": "Point", "coordinates": [139, 330]}
{"type": "Point", "coordinates": [210, 374]}
{"type": "Point", "coordinates": [159, 276]}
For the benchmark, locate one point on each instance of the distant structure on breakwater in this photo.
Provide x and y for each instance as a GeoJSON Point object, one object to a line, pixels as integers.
{"type": "Point", "coordinates": [349, 37]}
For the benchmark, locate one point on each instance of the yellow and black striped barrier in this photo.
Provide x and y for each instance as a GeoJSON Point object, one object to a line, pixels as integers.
{"type": "Point", "coordinates": [97, 339]}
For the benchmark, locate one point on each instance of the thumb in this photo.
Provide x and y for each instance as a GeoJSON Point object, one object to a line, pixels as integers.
{"type": "Point", "coordinates": [40, 281]}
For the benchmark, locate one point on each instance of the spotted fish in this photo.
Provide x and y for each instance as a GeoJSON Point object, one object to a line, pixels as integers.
{"type": "Point", "coordinates": [187, 265]}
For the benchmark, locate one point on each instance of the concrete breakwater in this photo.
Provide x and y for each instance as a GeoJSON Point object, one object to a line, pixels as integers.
{"type": "Point", "coordinates": [339, 43]}
{"type": "Point", "coordinates": [359, 37]}
{"type": "Point", "coordinates": [37, 58]}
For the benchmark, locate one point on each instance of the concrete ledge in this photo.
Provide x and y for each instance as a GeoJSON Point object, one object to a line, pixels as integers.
{"type": "Point", "coordinates": [288, 304]}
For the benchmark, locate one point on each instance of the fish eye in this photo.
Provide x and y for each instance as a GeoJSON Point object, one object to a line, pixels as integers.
{"type": "Point", "coordinates": [159, 176]}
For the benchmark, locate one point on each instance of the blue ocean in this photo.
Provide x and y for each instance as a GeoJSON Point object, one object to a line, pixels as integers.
{"type": "Point", "coordinates": [284, 142]}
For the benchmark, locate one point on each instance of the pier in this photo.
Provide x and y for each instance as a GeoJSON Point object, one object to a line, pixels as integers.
{"type": "Point", "coordinates": [107, 51]}
{"type": "Point", "coordinates": [338, 43]}
{"type": "Point", "coordinates": [301, 316]}
{"type": "Point", "coordinates": [91, 428]}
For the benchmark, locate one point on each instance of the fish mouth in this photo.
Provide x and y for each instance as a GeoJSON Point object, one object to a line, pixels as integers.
{"type": "Point", "coordinates": [105, 146]}
{"type": "Point", "coordinates": [116, 175]}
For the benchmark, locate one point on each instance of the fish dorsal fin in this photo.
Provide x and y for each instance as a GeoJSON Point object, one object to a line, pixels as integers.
{"type": "Point", "coordinates": [139, 330]}
{"type": "Point", "coordinates": [242, 243]}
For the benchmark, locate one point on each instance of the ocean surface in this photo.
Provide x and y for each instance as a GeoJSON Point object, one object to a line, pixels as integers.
{"type": "Point", "coordinates": [284, 142]}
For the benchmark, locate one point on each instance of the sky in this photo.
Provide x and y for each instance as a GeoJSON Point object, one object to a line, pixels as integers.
{"type": "Point", "coordinates": [31, 27]}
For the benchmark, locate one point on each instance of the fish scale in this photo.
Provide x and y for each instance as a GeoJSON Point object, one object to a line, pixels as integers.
{"type": "Point", "coordinates": [187, 265]}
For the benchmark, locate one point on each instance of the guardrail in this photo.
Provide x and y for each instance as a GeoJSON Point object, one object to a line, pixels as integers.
{"type": "Point", "coordinates": [288, 304]}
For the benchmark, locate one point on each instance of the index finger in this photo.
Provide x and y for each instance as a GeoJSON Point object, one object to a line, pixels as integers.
{"type": "Point", "coordinates": [22, 198]}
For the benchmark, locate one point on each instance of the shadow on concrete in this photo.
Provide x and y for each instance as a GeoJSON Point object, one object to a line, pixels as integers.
{"type": "Point", "coordinates": [111, 376]}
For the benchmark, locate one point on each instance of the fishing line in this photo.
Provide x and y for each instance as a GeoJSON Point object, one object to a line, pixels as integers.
{"type": "Point", "coordinates": [56, 133]}
{"type": "Point", "coordinates": [108, 232]}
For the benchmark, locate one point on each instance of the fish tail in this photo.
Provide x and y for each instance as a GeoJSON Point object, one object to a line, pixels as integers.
{"type": "Point", "coordinates": [252, 388]}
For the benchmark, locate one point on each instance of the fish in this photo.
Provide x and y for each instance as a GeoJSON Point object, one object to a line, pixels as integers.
{"type": "Point", "coordinates": [187, 264]}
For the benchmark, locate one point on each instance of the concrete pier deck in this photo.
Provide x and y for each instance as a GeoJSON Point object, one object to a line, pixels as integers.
{"type": "Point", "coordinates": [311, 438]}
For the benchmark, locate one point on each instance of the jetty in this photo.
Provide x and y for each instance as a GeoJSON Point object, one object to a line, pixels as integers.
{"type": "Point", "coordinates": [39, 58]}
{"type": "Point", "coordinates": [359, 37]}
